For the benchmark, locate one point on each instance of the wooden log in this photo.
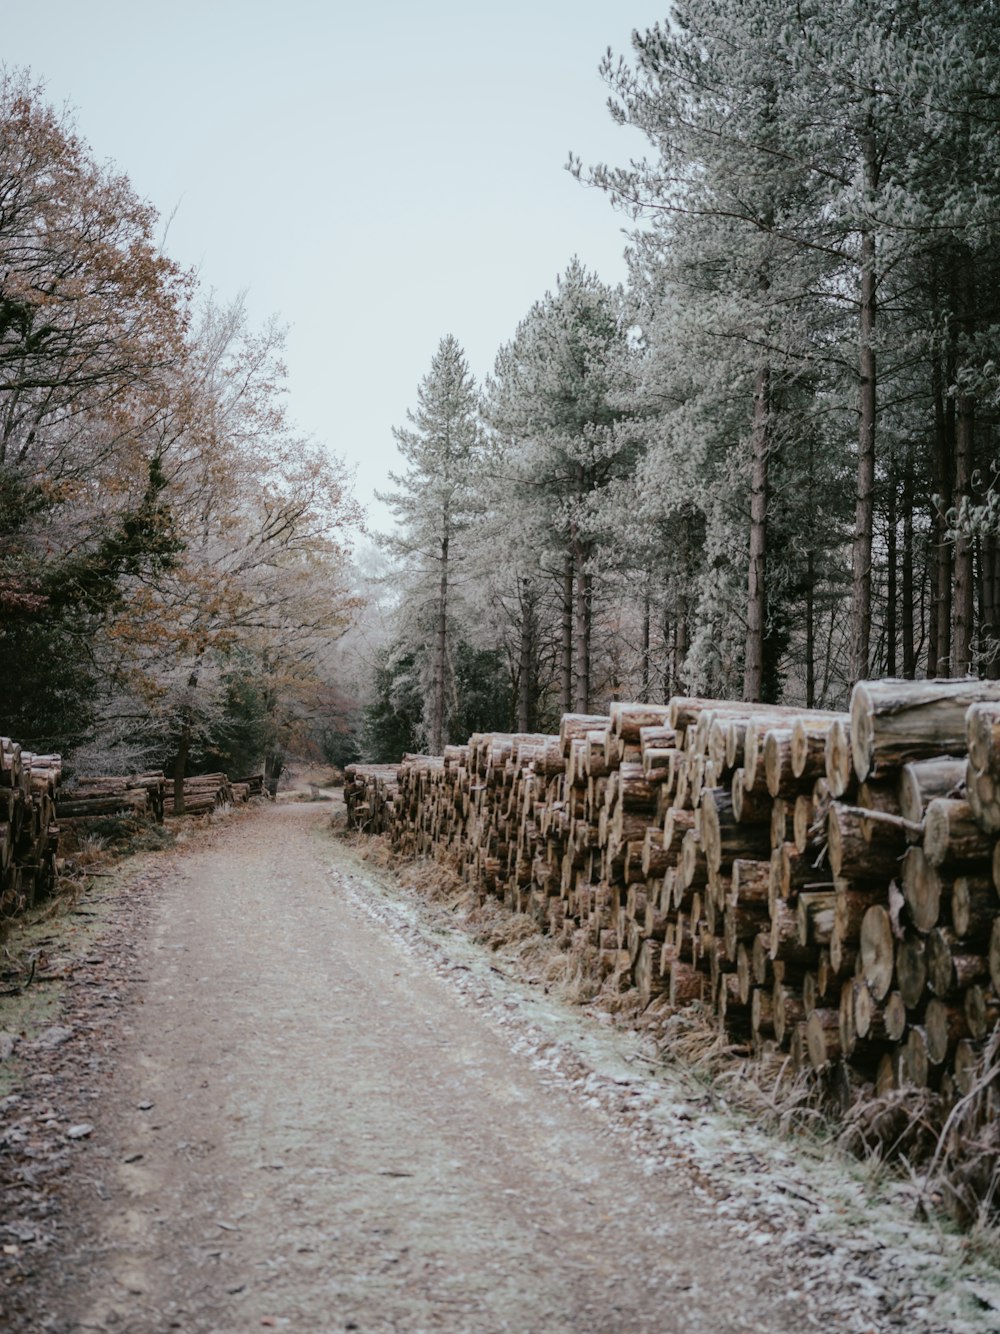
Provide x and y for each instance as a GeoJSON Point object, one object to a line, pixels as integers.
{"type": "Point", "coordinates": [877, 951]}
{"type": "Point", "coordinates": [852, 856]}
{"type": "Point", "coordinates": [823, 1037]}
{"type": "Point", "coordinates": [648, 979]}
{"type": "Point", "coordinates": [921, 782]}
{"type": "Point", "coordinates": [815, 914]}
{"type": "Point", "coordinates": [693, 866]}
{"type": "Point", "coordinates": [952, 835]}
{"type": "Point", "coordinates": [807, 828]}
{"type": "Point", "coordinates": [895, 1017]}
{"type": "Point", "coordinates": [723, 838]}
{"type": "Point", "coordinates": [982, 1010]}
{"type": "Point", "coordinates": [788, 1010]}
{"type": "Point", "coordinates": [950, 966]}
{"type": "Point", "coordinates": [809, 744]}
{"type": "Point", "coordinates": [982, 735]}
{"type": "Point", "coordinates": [889, 1076]}
{"type": "Point", "coordinates": [777, 753]}
{"type": "Point", "coordinates": [573, 726]}
{"type": "Point", "coordinates": [966, 1065]}
{"type": "Point", "coordinates": [894, 722]}
{"type": "Point", "coordinates": [974, 907]}
{"type": "Point", "coordinates": [868, 1018]}
{"type": "Point", "coordinates": [916, 1063]}
{"type": "Point", "coordinates": [911, 970]}
{"type": "Point", "coordinates": [656, 860]}
{"type": "Point", "coordinates": [762, 1014]}
{"type": "Point", "coordinates": [636, 790]}
{"type": "Point", "coordinates": [750, 808]}
{"type": "Point", "coordinates": [850, 990]}
{"type": "Point", "coordinates": [838, 758]}
{"type": "Point", "coordinates": [983, 795]}
{"type": "Point", "coordinates": [885, 824]}
{"type": "Point", "coordinates": [687, 984]}
{"type": "Point", "coordinates": [921, 889]}
{"type": "Point", "coordinates": [741, 924]}
{"type": "Point", "coordinates": [751, 881]}
{"type": "Point", "coordinates": [945, 1026]}
{"type": "Point", "coordinates": [628, 720]}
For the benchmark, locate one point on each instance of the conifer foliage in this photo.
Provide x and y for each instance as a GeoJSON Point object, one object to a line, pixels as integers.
{"type": "Point", "coordinates": [434, 503]}
{"type": "Point", "coordinates": [767, 467]}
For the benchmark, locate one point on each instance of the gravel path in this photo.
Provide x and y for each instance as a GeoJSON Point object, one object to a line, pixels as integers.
{"type": "Point", "coordinates": [323, 1119]}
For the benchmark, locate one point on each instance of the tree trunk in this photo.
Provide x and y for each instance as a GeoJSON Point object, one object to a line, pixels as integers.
{"type": "Point", "coordinates": [180, 767]}
{"type": "Point", "coordinates": [810, 631]}
{"type": "Point", "coordinates": [890, 590]}
{"type": "Point", "coordinates": [861, 554]}
{"type": "Point", "coordinates": [909, 653]}
{"type": "Point", "coordinates": [436, 738]}
{"type": "Point", "coordinates": [944, 471]}
{"type": "Point", "coordinates": [581, 674]}
{"type": "Point", "coordinates": [753, 669]}
{"type": "Point", "coordinates": [526, 660]}
{"type": "Point", "coordinates": [566, 673]}
{"type": "Point", "coordinates": [964, 438]}
{"type": "Point", "coordinates": [647, 685]}
{"type": "Point", "coordinates": [681, 636]}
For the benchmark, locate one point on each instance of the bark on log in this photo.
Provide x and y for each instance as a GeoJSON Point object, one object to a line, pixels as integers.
{"type": "Point", "coordinates": [894, 722]}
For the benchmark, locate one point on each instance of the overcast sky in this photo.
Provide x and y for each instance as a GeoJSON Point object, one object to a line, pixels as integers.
{"type": "Point", "coordinates": [376, 176]}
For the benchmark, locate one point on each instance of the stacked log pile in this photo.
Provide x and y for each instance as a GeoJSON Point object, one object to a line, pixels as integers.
{"type": "Point", "coordinates": [28, 830]}
{"type": "Point", "coordinates": [204, 792]}
{"type": "Point", "coordinates": [35, 809]}
{"type": "Point", "coordinates": [370, 792]}
{"type": "Point", "coordinates": [88, 798]}
{"type": "Point", "coordinates": [822, 883]}
{"type": "Point", "coordinates": [148, 796]}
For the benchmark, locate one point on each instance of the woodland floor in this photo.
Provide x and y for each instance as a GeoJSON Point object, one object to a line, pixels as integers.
{"type": "Point", "coordinates": [257, 1082]}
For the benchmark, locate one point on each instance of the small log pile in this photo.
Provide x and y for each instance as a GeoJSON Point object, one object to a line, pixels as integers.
{"type": "Point", "coordinates": [822, 883]}
{"type": "Point", "coordinates": [28, 831]}
{"type": "Point", "coordinates": [204, 792]}
{"type": "Point", "coordinates": [88, 798]}
{"type": "Point", "coordinates": [370, 792]}
{"type": "Point", "coordinates": [147, 797]}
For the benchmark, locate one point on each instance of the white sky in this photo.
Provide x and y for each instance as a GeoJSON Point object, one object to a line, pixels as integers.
{"type": "Point", "coordinates": [377, 177]}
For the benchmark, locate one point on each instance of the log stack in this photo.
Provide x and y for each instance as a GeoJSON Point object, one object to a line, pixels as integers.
{"type": "Point", "coordinates": [88, 798]}
{"type": "Point", "coordinates": [203, 792]}
{"type": "Point", "coordinates": [28, 830]}
{"type": "Point", "coordinates": [822, 883]}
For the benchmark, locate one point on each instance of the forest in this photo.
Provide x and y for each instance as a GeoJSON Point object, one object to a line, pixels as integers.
{"type": "Point", "coordinates": [173, 564]}
{"type": "Point", "coordinates": [763, 467]}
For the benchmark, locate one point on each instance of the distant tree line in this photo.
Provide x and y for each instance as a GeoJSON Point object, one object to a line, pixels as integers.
{"type": "Point", "coordinates": [172, 559]}
{"type": "Point", "coordinates": [766, 466]}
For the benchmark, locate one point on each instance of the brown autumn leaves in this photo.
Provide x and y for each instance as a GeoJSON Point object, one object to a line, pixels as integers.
{"type": "Point", "coordinates": [168, 542]}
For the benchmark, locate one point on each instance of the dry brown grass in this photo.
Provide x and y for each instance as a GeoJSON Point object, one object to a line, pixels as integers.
{"type": "Point", "coordinates": [908, 1132]}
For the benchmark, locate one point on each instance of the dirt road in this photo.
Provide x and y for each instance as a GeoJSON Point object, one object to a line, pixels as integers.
{"type": "Point", "coordinates": [325, 1116]}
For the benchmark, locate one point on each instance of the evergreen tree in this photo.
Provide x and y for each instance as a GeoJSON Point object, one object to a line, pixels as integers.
{"type": "Point", "coordinates": [434, 502]}
{"type": "Point", "coordinates": [560, 408]}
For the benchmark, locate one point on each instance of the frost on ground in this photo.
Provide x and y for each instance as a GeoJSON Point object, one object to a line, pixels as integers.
{"type": "Point", "coordinates": [848, 1236]}
{"type": "Point", "coordinates": [288, 1093]}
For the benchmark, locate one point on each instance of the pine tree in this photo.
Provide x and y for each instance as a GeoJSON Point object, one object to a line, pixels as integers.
{"type": "Point", "coordinates": [434, 503]}
{"type": "Point", "coordinates": [559, 403]}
